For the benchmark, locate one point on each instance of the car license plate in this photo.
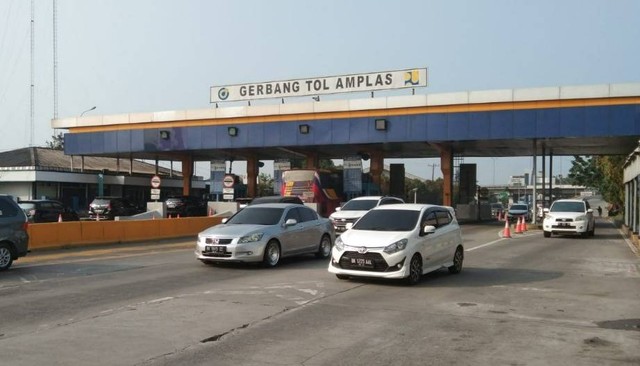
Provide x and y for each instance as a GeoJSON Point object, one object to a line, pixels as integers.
{"type": "Point", "coordinates": [362, 262]}
{"type": "Point", "coordinates": [564, 224]}
{"type": "Point", "coordinates": [215, 249]}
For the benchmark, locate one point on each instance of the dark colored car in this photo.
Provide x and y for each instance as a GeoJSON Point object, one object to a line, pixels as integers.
{"type": "Point", "coordinates": [14, 240]}
{"type": "Point", "coordinates": [186, 206]}
{"type": "Point", "coordinates": [47, 211]}
{"type": "Point", "coordinates": [107, 208]}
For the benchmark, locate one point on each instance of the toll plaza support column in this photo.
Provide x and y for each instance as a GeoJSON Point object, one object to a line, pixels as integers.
{"type": "Point", "coordinates": [187, 174]}
{"type": "Point", "coordinates": [446, 165]}
{"type": "Point", "coordinates": [312, 161]}
{"type": "Point", "coordinates": [252, 177]}
{"type": "Point", "coordinates": [376, 167]}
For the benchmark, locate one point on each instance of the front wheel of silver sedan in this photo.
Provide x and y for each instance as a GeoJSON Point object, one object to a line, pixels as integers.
{"type": "Point", "coordinates": [415, 270]}
{"type": "Point", "coordinates": [271, 254]}
{"type": "Point", "coordinates": [324, 250]}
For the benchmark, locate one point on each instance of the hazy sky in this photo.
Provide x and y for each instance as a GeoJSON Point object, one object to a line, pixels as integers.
{"type": "Point", "coordinates": [153, 55]}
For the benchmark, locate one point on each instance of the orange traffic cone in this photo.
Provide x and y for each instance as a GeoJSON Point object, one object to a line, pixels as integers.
{"type": "Point", "coordinates": [519, 226]}
{"type": "Point", "coordinates": [506, 233]}
{"type": "Point", "coordinates": [59, 217]}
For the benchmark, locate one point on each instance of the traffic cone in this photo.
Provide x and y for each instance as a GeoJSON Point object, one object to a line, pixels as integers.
{"type": "Point", "coordinates": [169, 215]}
{"type": "Point", "coordinates": [210, 211]}
{"type": "Point", "coordinates": [506, 233]}
{"type": "Point", "coordinates": [519, 225]}
{"type": "Point", "coordinates": [97, 217]}
{"type": "Point", "coordinates": [59, 217]}
{"type": "Point", "coordinates": [178, 216]}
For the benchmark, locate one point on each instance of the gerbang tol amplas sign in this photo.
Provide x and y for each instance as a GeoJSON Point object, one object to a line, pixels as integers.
{"type": "Point", "coordinates": [384, 80]}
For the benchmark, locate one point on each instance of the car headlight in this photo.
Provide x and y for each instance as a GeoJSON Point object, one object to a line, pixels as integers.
{"type": "Point", "coordinates": [581, 218]}
{"type": "Point", "coordinates": [396, 247]}
{"type": "Point", "coordinates": [251, 238]}
{"type": "Point", "coordinates": [339, 244]}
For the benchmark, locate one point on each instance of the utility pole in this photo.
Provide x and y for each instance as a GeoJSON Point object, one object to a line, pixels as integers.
{"type": "Point", "coordinates": [433, 167]}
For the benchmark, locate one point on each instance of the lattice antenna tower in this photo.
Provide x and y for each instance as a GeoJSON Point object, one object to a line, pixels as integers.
{"type": "Point", "coordinates": [32, 86]}
{"type": "Point", "coordinates": [55, 59]}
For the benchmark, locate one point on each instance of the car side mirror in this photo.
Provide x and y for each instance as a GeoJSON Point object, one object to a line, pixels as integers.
{"type": "Point", "coordinates": [590, 210]}
{"type": "Point", "coordinates": [290, 222]}
{"type": "Point", "coordinates": [224, 221]}
{"type": "Point", "coordinates": [545, 210]}
{"type": "Point", "coordinates": [428, 229]}
{"type": "Point", "coordinates": [338, 209]}
{"type": "Point", "coordinates": [349, 225]}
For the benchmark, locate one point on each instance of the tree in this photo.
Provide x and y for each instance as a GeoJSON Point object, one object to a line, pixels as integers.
{"type": "Point", "coordinates": [57, 142]}
{"type": "Point", "coordinates": [265, 185]}
{"type": "Point", "coordinates": [603, 173]}
{"type": "Point", "coordinates": [584, 172]}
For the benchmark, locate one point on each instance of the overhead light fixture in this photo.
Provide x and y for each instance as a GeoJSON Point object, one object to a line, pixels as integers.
{"type": "Point", "coordinates": [165, 135]}
{"type": "Point", "coordinates": [233, 131]}
{"type": "Point", "coordinates": [381, 124]}
{"type": "Point", "coordinates": [304, 129]}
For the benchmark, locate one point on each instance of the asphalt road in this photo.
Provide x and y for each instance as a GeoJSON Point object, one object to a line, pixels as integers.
{"type": "Point", "coordinates": [521, 301]}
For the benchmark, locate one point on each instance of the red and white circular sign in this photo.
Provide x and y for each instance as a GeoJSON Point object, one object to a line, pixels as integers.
{"type": "Point", "coordinates": [228, 181]}
{"type": "Point", "coordinates": [155, 181]}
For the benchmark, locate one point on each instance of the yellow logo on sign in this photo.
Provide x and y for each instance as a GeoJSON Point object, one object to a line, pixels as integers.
{"type": "Point", "coordinates": [412, 77]}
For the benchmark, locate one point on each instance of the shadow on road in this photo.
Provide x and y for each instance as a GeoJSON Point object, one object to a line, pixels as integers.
{"type": "Point", "coordinates": [474, 277]}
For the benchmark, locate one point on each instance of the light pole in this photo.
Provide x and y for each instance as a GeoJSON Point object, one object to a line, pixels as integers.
{"type": "Point", "coordinates": [88, 110]}
{"type": "Point", "coordinates": [433, 166]}
{"type": "Point", "coordinates": [415, 194]}
{"type": "Point", "coordinates": [494, 171]}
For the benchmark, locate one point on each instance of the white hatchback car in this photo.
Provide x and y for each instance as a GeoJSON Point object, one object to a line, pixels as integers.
{"type": "Point", "coordinates": [569, 216]}
{"type": "Point", "coordinates": [401, 241]}
{"type": "Point", "coordinates": [356, 208]}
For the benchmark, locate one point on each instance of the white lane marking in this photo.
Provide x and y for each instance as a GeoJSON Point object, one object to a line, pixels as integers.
{"type": "Point", "coordinates": [160, 300]}
{"type": "Point", "coordinates": [485, 244]}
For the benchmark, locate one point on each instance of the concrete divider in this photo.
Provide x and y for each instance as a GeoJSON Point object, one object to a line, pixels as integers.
{"type": "Point", "coordinates": [81, 233]}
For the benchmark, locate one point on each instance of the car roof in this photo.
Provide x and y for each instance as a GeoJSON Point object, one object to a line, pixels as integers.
{"type": "Point", "coordinates": [37, 201]}
{"type": "Point", "coordinates": [569, 200]}
{"type": "Point", "coordinates": [367, 198]}
{"type": "Point", "coordinates": [274, 205]}
{"type": "Point", "coordinates": [409, 206]}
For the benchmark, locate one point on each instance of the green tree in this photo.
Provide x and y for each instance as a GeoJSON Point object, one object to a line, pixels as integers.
{"type": "Point", "coordinates": [57, 142]}
{"type": "Point", "coordinates": [265, 185]}
{"type": "Point", "coordinates": [603, 173]}
{"type": "Point", "coordinates": [584, 171]}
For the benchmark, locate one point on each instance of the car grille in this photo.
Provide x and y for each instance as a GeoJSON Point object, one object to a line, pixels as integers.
{"type": "Point", "coordinates": [379, 264]}
{"type": "Point", "coordinates": [219, 241]}
{"type": "Point", "coordinates": [563, 220]}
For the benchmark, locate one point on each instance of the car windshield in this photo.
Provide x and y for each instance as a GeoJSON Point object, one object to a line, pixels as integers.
{"type": "Point", "coordinates": [567, 207]}
{"type": "Point", "coordinates": [359, 205]}
{"type": "Point", "coordinates": [257, 216]}
{"type": "Point", "coordinates": [27, 206]}
{"type": "Point", "coordinates": [518, 208]}
{"type": "Point", "coordinates": [496, 205]}
{"type": "Point", "coordinates": [388, 220]}
{"type": "Point", "coordinates": [101, 201]}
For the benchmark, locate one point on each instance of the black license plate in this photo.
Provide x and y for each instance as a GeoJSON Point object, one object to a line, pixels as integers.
{"type": "Point", "coordinates": [564, 224]}
{"type": "Point", "coordinates": [361, 262]}
{"type": "Point", "coordinates": [215, 249]}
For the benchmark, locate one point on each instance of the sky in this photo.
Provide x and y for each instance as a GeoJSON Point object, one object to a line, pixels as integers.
{"type": "Point", "coordinates": [128, 56]}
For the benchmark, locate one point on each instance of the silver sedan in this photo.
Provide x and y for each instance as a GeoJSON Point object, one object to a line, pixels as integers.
{"type": "Point", "coordinates": [265, 233]}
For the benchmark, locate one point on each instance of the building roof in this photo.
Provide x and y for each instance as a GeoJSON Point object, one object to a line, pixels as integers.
{"type": "Point", "coordinates": [42, 158]}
